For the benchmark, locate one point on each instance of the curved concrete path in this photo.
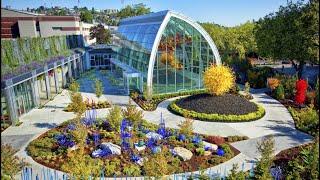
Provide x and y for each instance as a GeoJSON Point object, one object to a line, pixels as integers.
{"type": "Point", "coordinates": [277, 122]}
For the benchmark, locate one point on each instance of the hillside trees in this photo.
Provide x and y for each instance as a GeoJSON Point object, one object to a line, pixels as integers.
{"type": "Point", "coordinates": [291, 33]}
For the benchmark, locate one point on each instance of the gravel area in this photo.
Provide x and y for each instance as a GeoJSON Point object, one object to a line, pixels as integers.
{"type": "Point", "coordinates": [227, 104]}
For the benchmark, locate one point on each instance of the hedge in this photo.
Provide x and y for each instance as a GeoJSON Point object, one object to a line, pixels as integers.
{"type": "Point", "coordinates": [174, 108]}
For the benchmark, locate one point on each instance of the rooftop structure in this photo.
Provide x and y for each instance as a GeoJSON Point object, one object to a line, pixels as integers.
{"type": "Point", "coordinates": [16, 23]}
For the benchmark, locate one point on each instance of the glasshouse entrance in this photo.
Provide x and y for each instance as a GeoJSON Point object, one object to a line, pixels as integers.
{"type": "Point", "coordinates": [132, 79]}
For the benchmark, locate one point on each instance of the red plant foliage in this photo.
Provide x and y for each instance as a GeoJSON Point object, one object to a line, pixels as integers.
{"type": "Point", "coordinates": [215, 140]}
{"type": "Point", "coordinates": [301, 88]}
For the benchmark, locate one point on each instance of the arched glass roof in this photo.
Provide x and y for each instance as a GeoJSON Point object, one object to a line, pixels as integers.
{"type": "Point", "coordinates": [143, 38]}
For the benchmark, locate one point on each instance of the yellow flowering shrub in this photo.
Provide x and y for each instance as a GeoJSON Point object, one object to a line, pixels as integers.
{"type": "Point", "coordinates": [218, 79]}
{"type": "Point", "coordinates": [273, 83]}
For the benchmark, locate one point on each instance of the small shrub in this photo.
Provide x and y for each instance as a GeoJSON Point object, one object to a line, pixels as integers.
{"type": "Point", "coordinates": [311, 95]}
{"type": "Point", "coordinates": [186, 127]}
{"type": "Point", "coordinates": [77, 105]}
{"type": "Point", "coordinates": [157, 165]}
{"type": "Point", "coordinates": [218, 79]}
{"type": "Point", "coordinates": [273, 83]}
{"type": "Point", "coordinates": [131, 170]}
{"type": "Point", "coordinates": [98, 88]}
{"type": "Point", "coordinates": [133, 114]}
{"type": "Point", "coordinates": [73, 87]}
{"type": "Point", "coordinates": [235, 89]}
{"type": "Point", "coordinates": [134, 95]}
{"type": "Point", "coordinates": [81, 166]}
{"type": "Point", "coordinates": [112, 166]}
{"type": "Point", "coordinates": [215, 140]}
{"type": "Point", "coordinates": [279, 92]}
{"type": "Point", "coordinates": [306, 119]}
{"type": "Point", "coordinates": [306, 164]}
{"type": "Point", "coordinates": [301, 88]}
{"type": "Point", "coordinates": [200, 151]}
{"type": "Point", "coordinates": [114, 117]}
{"type": "Point", "coordinates": [226, 148]}
{"type": "Point", "coordinates": [10, 164]}
{"type": "Point", "coordinates": [236, 138]}
{"type": "Point", "coordinates": [266, 149]}
{"type": "Point", "coordinates": [235, 175]}
{"type": "Point", "coordinates": [247, 88]}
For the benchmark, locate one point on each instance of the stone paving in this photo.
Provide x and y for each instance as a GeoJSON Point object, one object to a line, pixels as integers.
{"type": "Point", "coordinates": [277, 122]}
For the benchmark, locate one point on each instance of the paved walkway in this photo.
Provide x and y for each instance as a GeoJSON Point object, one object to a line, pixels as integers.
{"type": "Point", "coordinates": [277, 122]}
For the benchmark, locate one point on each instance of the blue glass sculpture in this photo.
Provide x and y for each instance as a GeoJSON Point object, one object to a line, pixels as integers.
{"type": "Point", "coordinates": [220, 152]}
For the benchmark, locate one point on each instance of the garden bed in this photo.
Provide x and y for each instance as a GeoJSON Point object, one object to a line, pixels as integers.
{"type": "Point", "coordinates": [227, 108]}
{"type": "Point", "coordinates": [151, 105]}
{"type": "Point", "coordinates": [51, 150]}
{"type": "Point", "coordinates": [92, 105]}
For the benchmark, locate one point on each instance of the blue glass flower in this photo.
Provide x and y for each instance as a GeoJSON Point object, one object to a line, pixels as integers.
{"type": "Point", "coordinates": [162, 131]}
{"type": "Point", "coordinates": [101, 153]}
{"type": "Point", "coordinates": [64, 141]}
{"type": "Point", "coordinates": [88, 122]}
{"type": "Point", "coordinates": [220, 152]}
{"type": "Point", "coordinates": [96, 138]}
{"type": "Point", "coordinates": [151, 143]}
{"type": "Point", "coordinates": [156, 149]}
{"type": "Point", "coordinates": [173, 152]}
{"type": "Point", "coordinates": [135, 158]}
{"type": "Point", "coordinates": [125, 145]}
{"type": "Point", "coordinates": [87, 140]}
{"type": "Point", "coordinates": [196, 140]}
{"type": "Point", "coordinates": [182, 137]}
{"type": "Point", "coordinates": [208, 148]}
{"type": "Point", "coordinates": [71, 127]}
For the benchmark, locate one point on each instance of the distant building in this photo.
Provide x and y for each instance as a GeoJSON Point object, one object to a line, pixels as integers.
{"type": "Point", "coordinates": [15, 23]}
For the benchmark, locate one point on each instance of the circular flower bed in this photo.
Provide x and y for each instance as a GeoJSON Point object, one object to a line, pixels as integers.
{"type": "Point", "coordinates": [226, 108]}
{"type": "Point", "coordinates": [136, 150]}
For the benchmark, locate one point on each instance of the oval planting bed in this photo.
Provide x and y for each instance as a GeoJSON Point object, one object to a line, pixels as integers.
{"type": "Point", "coordinates": [91, 146]}
{"type": "Point", "coordinates": [226, 108]}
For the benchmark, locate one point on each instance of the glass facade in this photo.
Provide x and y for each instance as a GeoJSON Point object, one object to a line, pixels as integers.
{"type": "Point", "coordinates": [181, 57]}
{"type": "Point", "coordinates": [23, 97]}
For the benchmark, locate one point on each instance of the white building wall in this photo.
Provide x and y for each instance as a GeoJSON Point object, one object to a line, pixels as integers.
{"type": "Point", "coordinates": [27, 28]}
{"type": "Point", "coordinates": [85, 31]}
{"type": "Point", "coordinates": [47, 28]}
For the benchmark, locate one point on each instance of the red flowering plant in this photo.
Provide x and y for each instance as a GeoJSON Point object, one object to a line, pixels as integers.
{"type": "Point", "coordinates": [301, 89]}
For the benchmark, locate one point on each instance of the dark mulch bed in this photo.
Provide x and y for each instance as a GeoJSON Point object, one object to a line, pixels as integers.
{"type": "Point", "coordinates": [227, 104]}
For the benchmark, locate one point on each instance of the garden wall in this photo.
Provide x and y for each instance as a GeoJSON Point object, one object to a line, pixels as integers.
{"type": "Point", "coordinates": [25, 51]}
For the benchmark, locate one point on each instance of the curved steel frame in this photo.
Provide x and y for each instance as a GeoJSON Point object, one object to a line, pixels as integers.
{"type": "Point", "coordinates": [158, 38]}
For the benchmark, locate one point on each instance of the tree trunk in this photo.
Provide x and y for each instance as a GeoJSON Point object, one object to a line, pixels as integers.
{"type": "Point", "coordinates": [300, 69]}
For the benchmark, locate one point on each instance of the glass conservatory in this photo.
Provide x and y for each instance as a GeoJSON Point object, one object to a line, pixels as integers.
{"type": "Point", "coordinates": [169, 50]}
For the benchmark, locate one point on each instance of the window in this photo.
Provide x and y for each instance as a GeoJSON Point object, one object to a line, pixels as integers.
{"type": "Point", "coordinates": [57, 28]}
{"type": "Point", "coordinates": [37, 26]}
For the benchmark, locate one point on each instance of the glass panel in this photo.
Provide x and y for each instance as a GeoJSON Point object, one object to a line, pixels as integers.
{"type": "Point", "coordinates": [183, 54]}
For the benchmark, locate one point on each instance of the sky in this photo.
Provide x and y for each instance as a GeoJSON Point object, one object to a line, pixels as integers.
{"type": "Point", "coordinates": [224, 12]}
